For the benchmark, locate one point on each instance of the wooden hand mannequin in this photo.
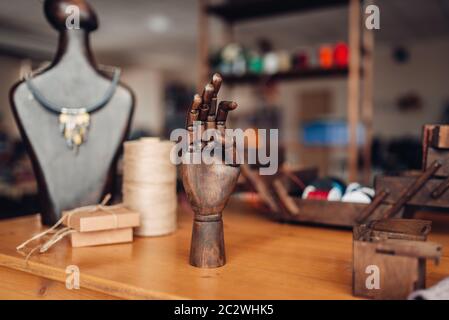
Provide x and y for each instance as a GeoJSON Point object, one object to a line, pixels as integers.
{"type": "Point", "coordinates": [209, 186]}
{"type": "Point", "coordinates": [68, 178]}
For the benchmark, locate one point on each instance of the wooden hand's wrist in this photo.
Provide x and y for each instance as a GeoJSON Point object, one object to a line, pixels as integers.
{"type": "Point", "coordinates": [209, 217]}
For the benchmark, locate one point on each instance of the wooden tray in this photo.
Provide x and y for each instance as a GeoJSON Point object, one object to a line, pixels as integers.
{"type": "Point", "coordinates": [277, 199]}
{"type": "Point", "coordinates": [397, 249]}
{"type": "Point", "coordinates": [332, 213]}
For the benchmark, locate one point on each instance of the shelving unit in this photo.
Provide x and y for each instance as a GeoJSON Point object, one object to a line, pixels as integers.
{"type": "Point", "coordinates": [359, 108]}
{"type": "Point", "coordinates": [286, 76]}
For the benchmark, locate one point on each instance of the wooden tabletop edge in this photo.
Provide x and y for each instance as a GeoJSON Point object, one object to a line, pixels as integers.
{"type": "Point", "coordinates": [87, 281]}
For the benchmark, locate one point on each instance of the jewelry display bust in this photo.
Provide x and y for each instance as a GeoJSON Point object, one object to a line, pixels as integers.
{"type": "Point", "coordinates": [74, 152]}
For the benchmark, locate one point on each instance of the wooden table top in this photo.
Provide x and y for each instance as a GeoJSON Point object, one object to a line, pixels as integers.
{"type": "Point", "coordinates": [265, 260]}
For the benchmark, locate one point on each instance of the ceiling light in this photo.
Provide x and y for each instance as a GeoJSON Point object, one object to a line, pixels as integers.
{"type": "Point", "coordinates": [158, 23]}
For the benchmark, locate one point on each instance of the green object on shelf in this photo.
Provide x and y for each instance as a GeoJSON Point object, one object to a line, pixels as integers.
{"type": "Point", "coordinates": [255, 64]}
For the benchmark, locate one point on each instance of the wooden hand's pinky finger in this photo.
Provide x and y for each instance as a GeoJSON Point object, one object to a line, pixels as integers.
{"type": "Point", "coordinates": [193, 113]}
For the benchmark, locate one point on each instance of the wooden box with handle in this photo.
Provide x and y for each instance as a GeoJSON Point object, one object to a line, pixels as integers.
{"type": "Point", "coordinates": [389, 258]}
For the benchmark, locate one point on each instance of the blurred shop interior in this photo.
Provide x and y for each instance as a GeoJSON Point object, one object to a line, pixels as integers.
{"type": "Point", "coordinates": [287, 65]}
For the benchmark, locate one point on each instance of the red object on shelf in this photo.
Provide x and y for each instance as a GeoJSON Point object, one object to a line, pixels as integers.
{"type": "Point", "coordinates": [341, 54]}
{"type": "Point", "coordinates": [326, 57]}
{"type": "Point", "coordinates": [300, 61]}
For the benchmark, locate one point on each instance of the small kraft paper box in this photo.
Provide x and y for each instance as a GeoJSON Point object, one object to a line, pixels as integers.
{"type": "Point", "coordinates": [101, 225]}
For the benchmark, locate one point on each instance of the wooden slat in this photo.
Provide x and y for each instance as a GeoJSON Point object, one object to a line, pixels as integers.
{"type": "Point", "coordinates": [333, 213]}
{"type": "Point", "coordinates": [406, 226]}
{"type": "Point", "coordinates": [440, 155]}
{"type": "Point", "coordinates": [353, 87]}
{"type": "Point", "coordinates": [440, 137]}
{"type": "Point", "coordinates": [417, 249]}
{"type": "Point", "coordinates": [398, 184]}
{"type": "Point", "coordinates": [368, 98]}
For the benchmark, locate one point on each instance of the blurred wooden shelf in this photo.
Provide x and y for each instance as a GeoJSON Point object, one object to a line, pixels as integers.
{"type": "Point", "coordinates": [307, 74]}
{"type": "Point", "coordinates": [19, 190]}
{"type": "Point", "coordinates": [233, 12]}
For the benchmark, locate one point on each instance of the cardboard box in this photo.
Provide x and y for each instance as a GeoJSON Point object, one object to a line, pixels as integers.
{"type": "Point", "coordinates": [115, 217]}
{"type": "Point", "coordinates": [96, 238]}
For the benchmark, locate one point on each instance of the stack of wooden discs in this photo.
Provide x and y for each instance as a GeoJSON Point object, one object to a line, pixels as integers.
{"type": "Point", "coordinates": [149, 185]}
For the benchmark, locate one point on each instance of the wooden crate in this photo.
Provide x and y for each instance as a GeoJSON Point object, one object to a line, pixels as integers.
{"type": "Point", "coordinates": [428, 188]}
{"type": "Point", "coordinates": [395, 249]}
{"type": "Point", "coordinates": [331, 213]}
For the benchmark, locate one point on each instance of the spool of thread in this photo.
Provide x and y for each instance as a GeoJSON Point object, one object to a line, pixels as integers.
{"type": "Point", "coordinates": [357, 194]}
{"type": "Point", "coordinates": [311, 193]}
{"type": "Point", "coordinates": [255, 63]}
{"type": "Point", "coordinates": [341, 54]}
{"type": "Point", "coordinates": [318, 195]}
{"type": "Point", "coordinates": [301, 61]}
{"type": "Point", "coordinates": [357, 197]}
{"type": "Point", "coordinates": [353, 186]}
{"type": "Point", "coordinates": [284, 61]}
{"type": "Point", "coordinates": [329, 183]}
{"type": "Point", "coordinates": [326, 57]}
{"type": "Point", "coordinates": [333, 189]}
{"type": "Point", "coordinates": [368, 191]}
{"type": "Point", "coordinates": [239, 65]}
{"type": "Point", "coordinates": [149, 185]}
{"type": "Point", "coordinates": [271, 63]}
{"type": "Point", "coordinates": [307, 191]}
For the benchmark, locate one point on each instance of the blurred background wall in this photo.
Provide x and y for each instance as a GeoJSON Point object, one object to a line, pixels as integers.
{"type": "Point", "coordinates": [155, 43]}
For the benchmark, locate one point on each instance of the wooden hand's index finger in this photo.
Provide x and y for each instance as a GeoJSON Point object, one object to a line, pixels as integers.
{"type": "Point", "coordinates": [207, 99]}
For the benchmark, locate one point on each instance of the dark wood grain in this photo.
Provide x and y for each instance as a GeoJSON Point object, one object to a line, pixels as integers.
{"type": "Point", "coordinates": [399, 275]}
{"type": "Point", "coordinates": [332, 213]}
{"type": "Point", "coordinates": [434, 146]}
{"type": "Point", "coordinates": [397, 184]}
{"type": "Point", "coordinates": [410, 190]}
{"type": "Point", "coordinates": [442, 155]}
{"type": "Point", "coordinates": [67, 180]}
{"type": "Point", "coordinates": [406, 226]}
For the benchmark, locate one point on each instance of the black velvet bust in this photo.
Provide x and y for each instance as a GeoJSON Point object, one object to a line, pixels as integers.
{"type": "Point", "coordinates": [68, 179]}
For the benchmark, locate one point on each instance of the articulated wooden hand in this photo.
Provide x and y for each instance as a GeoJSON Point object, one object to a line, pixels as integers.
{"type": "Point", "coordinates": [210, 179]}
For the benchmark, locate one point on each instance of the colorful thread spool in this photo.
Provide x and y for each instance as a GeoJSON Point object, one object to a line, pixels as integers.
{"type": "Point", "coordinates": [341, 55]}
{"type": "Point", "coordinates": [355, 193]}
{"type": "Point", "coordinates": [330, 189]}
{"type": "Point", "coordinates": [326, 57]}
